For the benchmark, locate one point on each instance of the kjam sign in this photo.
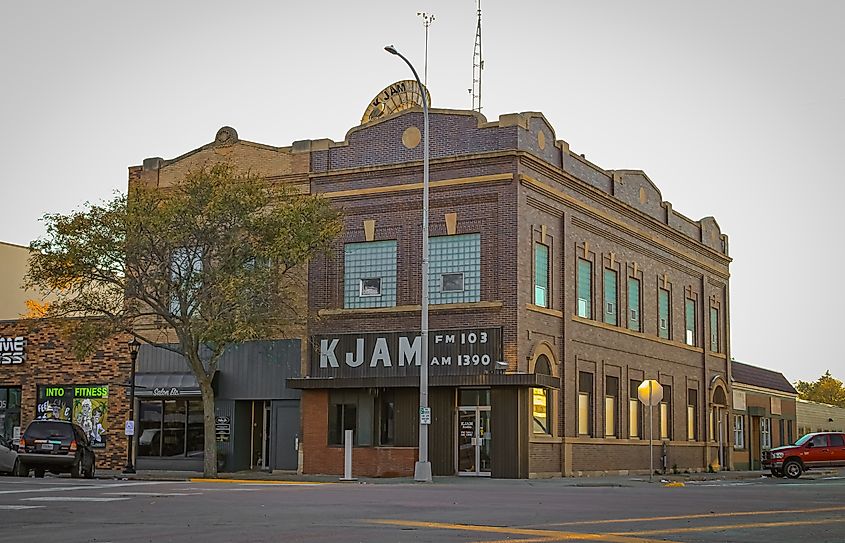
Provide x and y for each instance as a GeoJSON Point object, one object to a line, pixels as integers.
{"type": "Point", "coordinates": [12, 350]}
{"type": "Point", "coordinates": [397, 354]}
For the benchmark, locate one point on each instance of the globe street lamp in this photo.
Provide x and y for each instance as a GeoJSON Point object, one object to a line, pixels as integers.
{"type": "Point", "coordinates": [134, 345]}
{"type": "Point", "coordinates": [422, 469]}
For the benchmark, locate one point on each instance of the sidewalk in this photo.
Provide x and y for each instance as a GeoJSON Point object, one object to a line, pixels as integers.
{"type": "Point", "coordinates": [594, 481]}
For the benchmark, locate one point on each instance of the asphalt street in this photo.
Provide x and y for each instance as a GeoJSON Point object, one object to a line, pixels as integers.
{"type": "Point", "coordinates": [448, 510]}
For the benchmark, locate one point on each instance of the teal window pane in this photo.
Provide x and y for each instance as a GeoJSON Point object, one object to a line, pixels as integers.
{"type": "Point", "coordinates": [541, 275]}
{"type": "Point", "coordinates": [663, 321]}
{"type": "Point", "coordinates": [369, 274]}
{"type": "Point", "coordinates": [585, 289]}
{"type": "Point", "coordinates": [454, 269]}
{"type": "Point", "coordinates": [634, 304]}
{"type": "Point", "coordinates": [689, 310]}
{"type": "Point", "coordinates": [714, 329]}
{"type": "Point", "coordinates": [610, 297]}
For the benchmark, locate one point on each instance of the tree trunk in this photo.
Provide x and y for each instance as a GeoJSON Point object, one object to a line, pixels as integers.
{"type": "Point", "coordinates": [209, 467]}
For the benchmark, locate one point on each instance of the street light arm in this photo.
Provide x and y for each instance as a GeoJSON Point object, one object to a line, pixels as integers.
{"type": "Point", "coordinates": [392, 50]}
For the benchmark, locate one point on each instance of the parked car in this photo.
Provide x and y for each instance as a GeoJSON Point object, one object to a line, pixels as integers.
{"type": "Point", "coordinates": [57, 446]}
{"type": "Point", "coordinates": [817, 450]}
{"type": "Point", "coordinates": [9, 462]}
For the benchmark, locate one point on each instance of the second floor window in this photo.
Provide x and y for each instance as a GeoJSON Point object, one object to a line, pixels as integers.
{"type": "Point", "coordinates": [454, 273]}
{"type": "Point", "coordinates": [541, 275]}
{"type": "Point", "coordinates": [689, 310]}
{"type": "Point", "coordinates": [585, 289]}
{"type": "Point", "coordinates": [610, 297]}
{"type": "Point", "coordinates": [664, 320]}
{"type": "Point", "coordinates": [634, 304]}
{"type": "Point", "coordinates": [186, 279]}
{"type": "Point", "coordinates": [714, 329]}
{"type": "Point", "coordinates": [369, 278]}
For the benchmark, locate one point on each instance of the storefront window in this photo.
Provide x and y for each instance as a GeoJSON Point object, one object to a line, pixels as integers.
{"type": "Point", "coordinates": [149, 438]}
{"type": "Point", "coordinates": [173, 435]}
{"type": "Point", "coordinates": [351, 410]}
{"type": "Point", "coordinates": [474, 396]}
{"type": "Point", "coordinates": [170, 428]}
{"type": "Point", "coordinates": [10, 412]}
{"type": "Point", "coordinates": [387, 418]}
{"type": "Point", "coordinates": [196, 430]}
{"type": "Point", "coordinates": [86, 405]}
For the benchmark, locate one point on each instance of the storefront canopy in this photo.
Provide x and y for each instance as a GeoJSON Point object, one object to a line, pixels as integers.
{"type": "Point", "coordinates": [166, 385]}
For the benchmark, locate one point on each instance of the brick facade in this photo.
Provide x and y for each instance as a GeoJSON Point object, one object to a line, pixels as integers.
{"type": "Point", "coordinates": [50, 362]}
{"type": "Point", "coordinates": [513, 183]}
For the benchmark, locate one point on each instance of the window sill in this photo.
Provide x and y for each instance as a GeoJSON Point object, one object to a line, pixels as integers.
{"type": "Point", "coordinates": [364, 311]}
{"type": "Point", "coordinates": [544, 438]}
{"type": "Point", "coordinates": [544, 310]}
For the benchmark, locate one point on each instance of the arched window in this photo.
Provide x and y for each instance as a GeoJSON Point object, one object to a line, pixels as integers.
{"type": "Point", "coordinates": [542, 365]}
{"type": "Point", "coordinates": [540, 399]}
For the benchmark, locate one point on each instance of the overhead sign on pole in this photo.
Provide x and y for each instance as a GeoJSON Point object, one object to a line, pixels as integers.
{"type": "Point", "coordinates": [650, 392]}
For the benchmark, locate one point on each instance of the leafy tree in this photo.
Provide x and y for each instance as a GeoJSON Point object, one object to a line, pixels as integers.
{"type": "Point", "coordinates": [216, 260]}
{"type": "Point", "coordinates": [826, 389]}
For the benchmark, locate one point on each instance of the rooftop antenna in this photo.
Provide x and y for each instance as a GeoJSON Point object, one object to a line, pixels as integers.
{"type": "Point", "coordinates": [427, 18]}
{"type": "Point", "coordinates": [477, 66]}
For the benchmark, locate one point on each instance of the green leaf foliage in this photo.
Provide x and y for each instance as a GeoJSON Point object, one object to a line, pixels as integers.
{"type": "Point", "coordinates": [218, 259]}
{"type": "Point", "coordinates": [826, 389]}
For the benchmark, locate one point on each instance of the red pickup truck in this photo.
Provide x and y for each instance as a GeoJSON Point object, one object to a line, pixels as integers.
{"type": "Point", "coordinates": [818, 450]}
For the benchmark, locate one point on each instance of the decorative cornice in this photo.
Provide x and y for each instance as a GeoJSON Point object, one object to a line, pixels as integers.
{"type": "Point", "coordinates": [606, 218]}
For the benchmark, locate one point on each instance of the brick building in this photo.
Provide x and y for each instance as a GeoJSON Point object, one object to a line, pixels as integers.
{"type": "Point", "coordinates": [764, 413]}
{"type": "Point", "coordinates": [43, 379]}
{"type": "Point", "coordinates": [556, 287]}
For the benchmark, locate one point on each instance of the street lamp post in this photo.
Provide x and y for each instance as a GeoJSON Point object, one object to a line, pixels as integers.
{"type": "Point", "coordinates": [422, 469]}
{"type": "Point", "coordinates": [134, 345]}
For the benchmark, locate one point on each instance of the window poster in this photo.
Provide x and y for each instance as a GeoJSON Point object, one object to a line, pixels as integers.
{"type": "Point", "coordinates": [85, 405]}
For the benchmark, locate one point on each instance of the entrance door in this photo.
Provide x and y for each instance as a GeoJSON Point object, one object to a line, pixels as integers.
{"type": "Point", "coordinates": [474, 441]}
{"type": "Point", "coordinates": [285, 435]}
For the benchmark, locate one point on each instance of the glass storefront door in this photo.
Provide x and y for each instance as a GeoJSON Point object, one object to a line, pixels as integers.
{"type": "Point", "coordinates": [474, 440]}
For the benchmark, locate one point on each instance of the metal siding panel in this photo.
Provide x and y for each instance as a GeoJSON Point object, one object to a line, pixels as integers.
{"type": "Point", "coordinates": [407, 417]}
{"type": "Point", "coordinates": [441, 436]}
{"type": "Point", "coordinates": [509, 455]}
{"type": "Point", "coordinates": [255, 370]}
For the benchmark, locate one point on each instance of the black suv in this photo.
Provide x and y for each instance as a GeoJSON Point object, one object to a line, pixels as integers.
{"type": "Point", "coordinates": [57, 446]}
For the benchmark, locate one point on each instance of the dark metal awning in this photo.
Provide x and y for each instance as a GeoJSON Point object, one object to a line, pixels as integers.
{"type": "Point", "coordinates": [166, 385]}
{"type": "Point", "coordinates": [533, 380]}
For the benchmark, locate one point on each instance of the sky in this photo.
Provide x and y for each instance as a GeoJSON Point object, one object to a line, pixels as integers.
{"type": "Point", "coordinates": [734, 109]}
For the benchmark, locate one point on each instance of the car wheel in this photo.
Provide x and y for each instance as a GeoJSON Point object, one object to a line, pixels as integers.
{"type": "Point", "coordinates": [777, 473]}
{"type": "Point", "coordinates": [89, 473]}
{"type": "Point", "coordinates": [76, 469]}
{"type": "Point", "coordinates": [793, 469]}
{"type": "Point", "coordinates": [20, 469]}
{"type": "Point", "coordinates": [39, 473]}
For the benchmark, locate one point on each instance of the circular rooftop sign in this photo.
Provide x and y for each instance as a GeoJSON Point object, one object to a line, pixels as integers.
{"type": "Point", "coordinates": [396, 97]}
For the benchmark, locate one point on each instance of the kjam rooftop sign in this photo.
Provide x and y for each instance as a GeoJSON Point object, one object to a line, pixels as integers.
{"type": "Point", "coordinates": [12, 350]}
{"type": "Point", "coordinates": [396, 354]}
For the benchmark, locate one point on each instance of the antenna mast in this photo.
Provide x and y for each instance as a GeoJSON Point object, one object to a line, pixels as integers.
{"type": "Point", "coordinates": [427, 18]}
{"type": "Point", "coordinates": [477, 66]}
